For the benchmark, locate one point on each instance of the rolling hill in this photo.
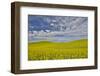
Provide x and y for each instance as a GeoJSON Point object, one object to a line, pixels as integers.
{"type": "Point", "coordinates": [46, 50]}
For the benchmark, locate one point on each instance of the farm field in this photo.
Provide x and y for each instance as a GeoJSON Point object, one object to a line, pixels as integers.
{"type": "Point", "coordinates": [46, 50]}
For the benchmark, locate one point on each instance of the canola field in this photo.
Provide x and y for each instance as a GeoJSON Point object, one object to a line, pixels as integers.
{"type": "Point", "coordinates": [45, 50]}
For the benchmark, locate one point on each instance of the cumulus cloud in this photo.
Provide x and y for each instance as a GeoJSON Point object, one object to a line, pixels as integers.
{"type": "Point", "coordinates": [51, 26]}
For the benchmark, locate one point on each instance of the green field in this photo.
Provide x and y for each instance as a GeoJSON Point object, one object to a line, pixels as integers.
{"type": "Point", "coordinates": [45, 50]}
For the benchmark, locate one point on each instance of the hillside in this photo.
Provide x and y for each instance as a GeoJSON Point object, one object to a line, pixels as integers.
{"type": "Point", "coordinates": [45, 50]}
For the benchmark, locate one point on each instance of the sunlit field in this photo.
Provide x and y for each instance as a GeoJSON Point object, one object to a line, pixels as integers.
{"type": "Point", "coordinates": [45, 50]}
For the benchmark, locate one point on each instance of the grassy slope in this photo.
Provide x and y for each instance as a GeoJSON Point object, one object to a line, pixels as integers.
{"type": "Point", "coordinates": [45, 50]}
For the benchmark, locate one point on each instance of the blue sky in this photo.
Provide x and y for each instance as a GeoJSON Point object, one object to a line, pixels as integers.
{"type": "Point", "coordinates": [55, 27]}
